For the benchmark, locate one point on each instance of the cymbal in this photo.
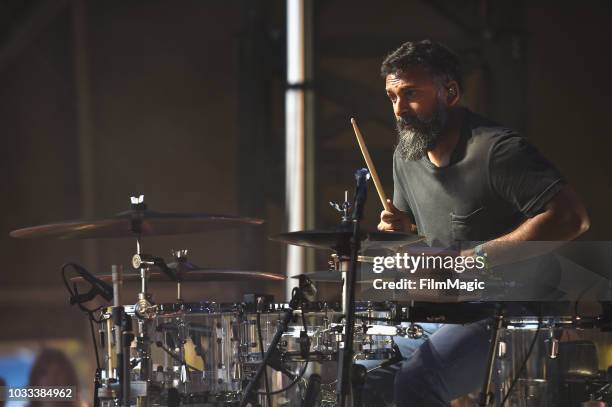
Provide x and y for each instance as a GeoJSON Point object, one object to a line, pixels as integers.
{"type": "Point", "coordinates": [133, 223]}
{"type": "Point", "coordinates": [195, 275]}
{"type": "Point", "coordinates": [326, 276]}
{"type": "Point", "coordinates": [331, 276]}
{"type": "Point", "coordinates": [338, 240]}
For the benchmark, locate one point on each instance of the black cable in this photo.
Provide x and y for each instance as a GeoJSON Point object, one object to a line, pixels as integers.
{"type": "Point", "coordinates": [90, 312]}
{"type": "Point", "coordinates": [175, 357]}
{"type": "Point", "coordinates": [300, 375]}
{"type": "Point", "coordinates": [74, 291]}
{"type": "Point", "coordinates": [579, 298]}
{"type": "Point", "coordinates": [261, 349]}
{"type": "Point", "coordinates": [95, 343]}
{"type": "Point", "coordinates": [520, 372]}
{"type": "Point", "coordinates": [305, 326]}
{"type": "Point", "coordinates": [304, 320]}
{"type": "Point", "coordinates": [64, 279]}
{"type": "Point", "coordinates": [297, 379]}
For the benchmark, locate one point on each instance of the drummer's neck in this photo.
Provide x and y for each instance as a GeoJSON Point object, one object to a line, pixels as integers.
{"type": "Point", "coordinates": [440, 155]}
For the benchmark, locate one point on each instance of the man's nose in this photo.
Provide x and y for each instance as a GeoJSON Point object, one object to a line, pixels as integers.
{"type": "Point", "coordinates": [400, 107]}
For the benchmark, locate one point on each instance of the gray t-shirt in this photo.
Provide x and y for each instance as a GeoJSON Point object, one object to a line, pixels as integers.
{"type": "Point", "coordinates": [495, 181]}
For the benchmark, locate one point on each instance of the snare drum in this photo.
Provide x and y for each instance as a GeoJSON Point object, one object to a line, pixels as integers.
{"type": "Point", "coordinates": [206, 335]}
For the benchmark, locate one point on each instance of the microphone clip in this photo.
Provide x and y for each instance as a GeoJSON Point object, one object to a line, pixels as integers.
{"type": "Point", "coordinates": [97, 286]}
{"type": "Point", "coordinates": [83, 298]}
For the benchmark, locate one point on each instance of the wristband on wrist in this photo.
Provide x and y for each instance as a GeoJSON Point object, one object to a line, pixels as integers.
{"type": "Point", "coordinates": [479, 251]}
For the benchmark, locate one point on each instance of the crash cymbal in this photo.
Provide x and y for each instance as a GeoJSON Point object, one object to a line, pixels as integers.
{"type": "Point", "coordinates": [134, 223]}
{"type": "Point", "coordinates": [195, 275]}
{"type": "Point", "coordinates": [338, 240]}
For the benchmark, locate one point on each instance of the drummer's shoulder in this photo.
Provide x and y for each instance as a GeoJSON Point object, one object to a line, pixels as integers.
{"type": "Point", "coordinates": [490, 136]}
{"type": "Point", "coordinates": [485, 129]}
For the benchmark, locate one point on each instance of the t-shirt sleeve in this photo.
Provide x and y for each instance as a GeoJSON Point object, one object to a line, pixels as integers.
{"type": "Point", "coordinates": [400, 200]}
{"type": "Point", "coordinates": [520, 175]}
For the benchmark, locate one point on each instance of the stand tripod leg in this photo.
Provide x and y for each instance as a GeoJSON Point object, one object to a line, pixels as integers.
{"type": "Point", "coordinates": [486, 395]}
{"type": "Point", "coordinates": [96, 396]}
{"type": "Point", "coordinates": [358, 379]}
{"type": "Point", "coordinates": [248, 392]}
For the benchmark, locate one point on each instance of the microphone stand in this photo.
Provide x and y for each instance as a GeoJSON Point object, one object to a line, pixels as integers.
{"type": "Point", "coordinates": [346, 354]}
{"type": "Point", "coordinates": [127, 337]}
{"type": "Point", "coordinates": [97, 385]}
{"type": "Point", "coordinates": [123, 337]}
{"type": "Point", "coordinates": [296, 299]}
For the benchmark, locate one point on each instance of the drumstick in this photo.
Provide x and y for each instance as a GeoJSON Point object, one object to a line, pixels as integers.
{"type": "Point", "coordinates": [370, 164]}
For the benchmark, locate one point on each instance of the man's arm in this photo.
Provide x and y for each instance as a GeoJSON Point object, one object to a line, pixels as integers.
{"type": "Point", "coordinates": [564, 218]}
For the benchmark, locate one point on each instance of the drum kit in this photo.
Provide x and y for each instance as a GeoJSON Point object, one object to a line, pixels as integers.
{"type": "Point", "coordinates": [260, 352]}
{"type": "Point", "coordinates": [204, 352]}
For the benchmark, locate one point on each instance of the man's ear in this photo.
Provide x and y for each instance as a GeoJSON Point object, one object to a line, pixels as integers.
{"type": "Point", "coordinates": [453, 94]}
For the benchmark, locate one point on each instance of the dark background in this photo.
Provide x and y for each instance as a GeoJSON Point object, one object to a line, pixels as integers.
{"type": "Point", "coordinates": [183, 101]}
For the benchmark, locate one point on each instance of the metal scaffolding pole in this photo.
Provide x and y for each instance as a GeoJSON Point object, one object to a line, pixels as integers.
{"type": "Point", "coordinates": [299, 119]}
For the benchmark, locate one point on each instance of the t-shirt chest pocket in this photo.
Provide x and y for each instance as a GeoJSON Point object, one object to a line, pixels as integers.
{"type": "Point", "coordinates": [469, 225]}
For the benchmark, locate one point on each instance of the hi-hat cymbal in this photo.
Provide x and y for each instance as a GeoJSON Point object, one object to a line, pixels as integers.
{"type": "Point", "coordinates": [338, 240]}
{"type": "Point", "coordinates": [195, 275]}
{"type": "Point", "coordinates": [134, 223]}
{"type": "Point", "coordinates": [326, 276]}
{"type": "Point", "coordinates": [332, 276]}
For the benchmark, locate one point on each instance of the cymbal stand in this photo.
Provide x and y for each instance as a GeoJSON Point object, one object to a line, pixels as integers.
{"type": "Point", "coordinates": [180, 257]}
{"type": "Point", "coordinates": [340, 261]}
{"type": "Point", "coordinates": [344, 208]}
{"type": "Point", "coordinates": [144, 310]}
{"type": "Point", "coordinates": [123, 337]}
{"type": "Point", "coordinates": [346, 376]}
{"type": "Point", "coordinates": [485, 397]}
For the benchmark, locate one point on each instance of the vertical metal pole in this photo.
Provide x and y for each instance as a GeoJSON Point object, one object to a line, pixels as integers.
{"type": "Point", "coordinates": [110, 372]}
{"type": "Point", "coordinates": [295, 146]}
{"type": "Point", "coordinates": [309, 126]}
{"type": "Point", "coordinates": [344, 264]}
{"type": "Point", "coordinates": [84, 130]}
{"type": "Point", "coordinates": [299, 119]}
{"type": "Point", "coordinates": [256, 73]}
{"type": "Point", "coordinates": [485, 397]}
{"type": "Point", "coordinates": [85, 138]}
{"type": "Point", "coordinates": [117, 276]}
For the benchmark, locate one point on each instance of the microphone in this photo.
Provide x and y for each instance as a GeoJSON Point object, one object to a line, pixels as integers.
{"type": "Point", "coordinates": [362, 176]}
{"type": "Point", "coordinates": [308, 288]}
{"type": "Point", "coordinates": [98, 286]}
{"type": "Point", "coordinates": [117, 276]}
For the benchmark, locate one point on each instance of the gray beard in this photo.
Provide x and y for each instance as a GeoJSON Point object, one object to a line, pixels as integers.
{"type": "Point", "coordinates": [413, 143]}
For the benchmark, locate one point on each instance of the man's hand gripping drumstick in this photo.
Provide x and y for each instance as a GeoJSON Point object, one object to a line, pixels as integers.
{"type": "Point", "coordinates": [391, 218]}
